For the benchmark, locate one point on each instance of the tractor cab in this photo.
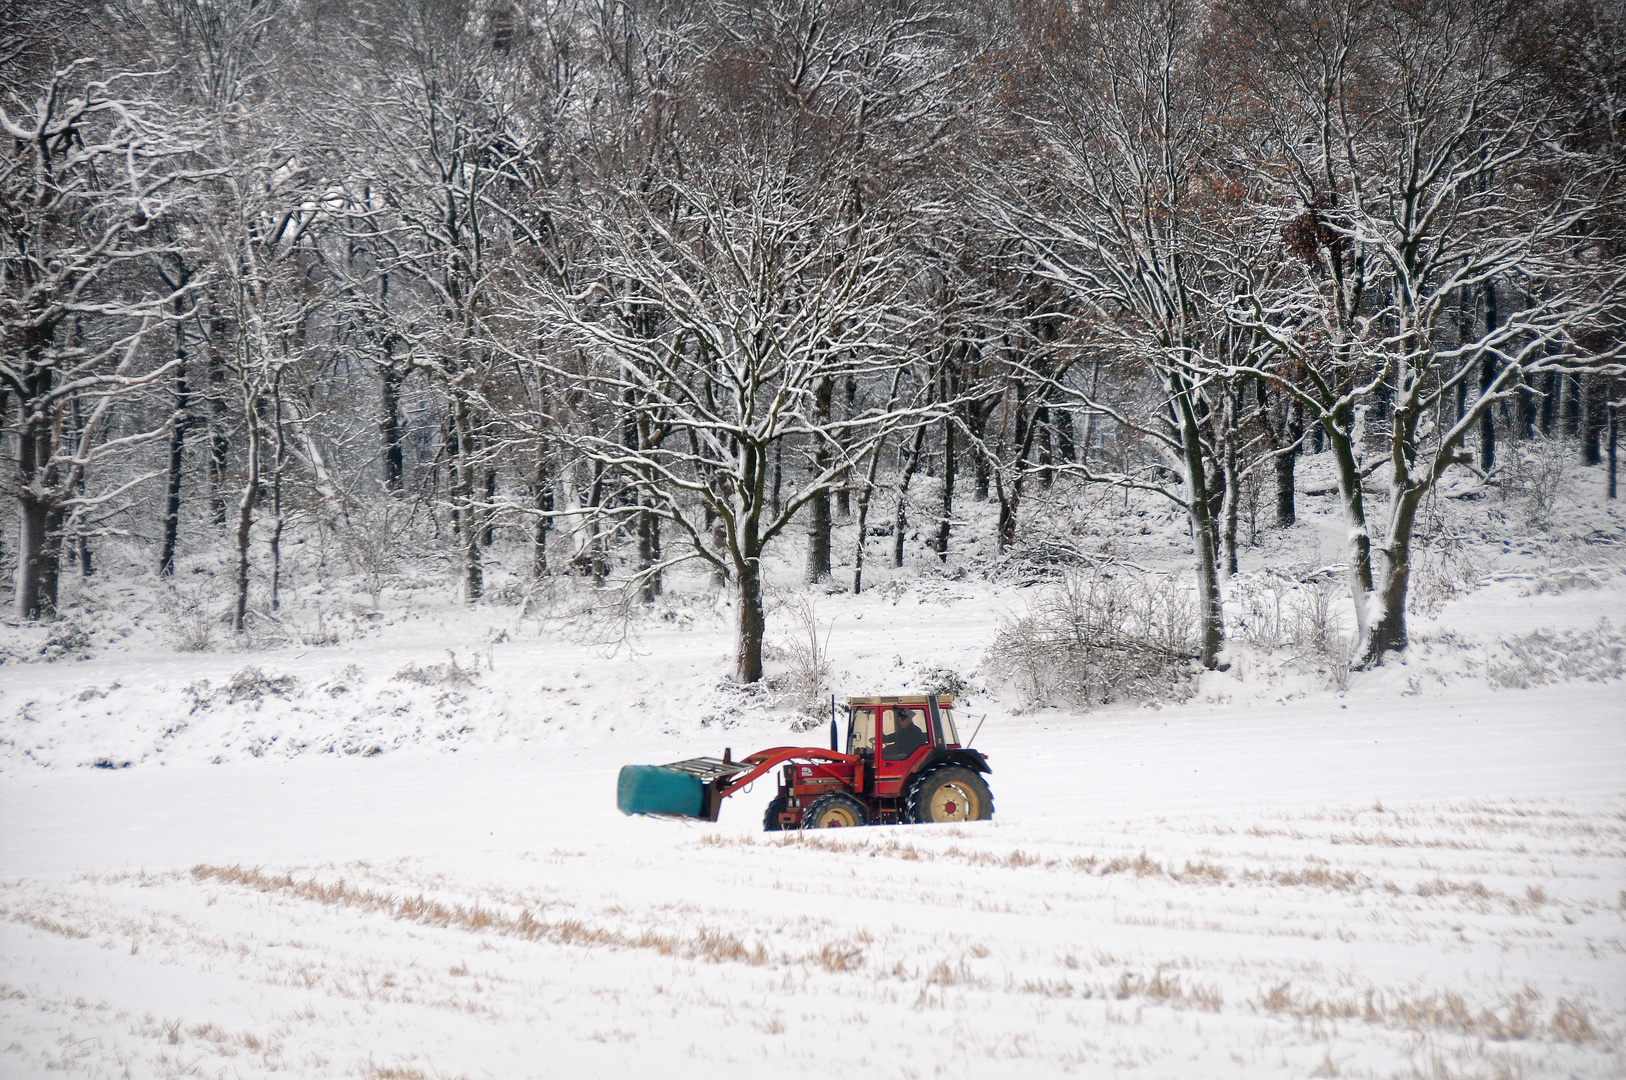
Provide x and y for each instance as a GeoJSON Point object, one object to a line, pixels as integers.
{"type": "Point", "coordinates": [904, 728]}
{"type": "Point", "coordinates": [895, 738]}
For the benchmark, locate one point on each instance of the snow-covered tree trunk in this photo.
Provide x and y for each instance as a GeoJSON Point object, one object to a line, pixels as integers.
{"type": "Point", "coordinates": [463, 497]}
{"type": "Point", "coordinates": [945, 510]}
{"type": "Point", "coordinates": [906, 474]}
{"type": "Point", "coordinates": [818, 507]}
{"type": "Point", "coordinates": [249, 496]}
{"type": "Point", "coordinates": [1210, 614]}
{"type": "Point", "coordinates": [1231, 474]}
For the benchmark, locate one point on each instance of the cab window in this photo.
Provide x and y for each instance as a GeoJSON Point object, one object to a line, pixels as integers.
{"type": "Point", "coordinates": [951, 734]}
{"type": "Point", "coordinates": [903, 731]}
{"type": "Point", "coordinates": [863, 732]}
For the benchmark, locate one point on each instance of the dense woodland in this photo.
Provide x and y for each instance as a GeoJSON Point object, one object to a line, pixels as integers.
{"type": "Point", "coordinates": [640, 284]}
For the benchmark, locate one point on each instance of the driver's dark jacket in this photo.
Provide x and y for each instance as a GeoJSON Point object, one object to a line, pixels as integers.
{"type": "Point", "coordinates": [905, 742]}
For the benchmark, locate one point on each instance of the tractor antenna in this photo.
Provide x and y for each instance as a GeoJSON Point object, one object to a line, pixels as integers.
{"type": "Point", "coordinates": [974, 733]}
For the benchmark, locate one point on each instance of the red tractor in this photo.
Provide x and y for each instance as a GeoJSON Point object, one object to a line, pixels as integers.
{"type": "Point", "coordinates": [903, 763]}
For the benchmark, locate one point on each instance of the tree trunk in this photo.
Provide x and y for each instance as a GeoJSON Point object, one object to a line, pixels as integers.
{"type": "Point", "coordinates": [1488, 370]}
{"type": "Point", "coordinates": [946, 515]}
{"type": "Point", "coordinates": [753, 620]}
{"type": "Point", "coordinates": [1487, 423]}
{"type": "Point", "coordinates": [448, 450]}
{"type": "Point", "coordinates": [487, 514]}
{"type": "Point", "coordinates": [1066, 443]}
{"type": "Point", "coordinates": [1614, 428]}
{"type": "Point", "coordinates": [1232, 476]}
{"type": "Point", "coordinates": [844, 502]}
{"type": "Point", "coordinates": [1211, 615]}
{"type": "Point", "coordinates": [818, 537]}
{"type": "Point", "coordinates": [649, 553]}
{"type": "Point", "coordinates": [1287, 448]}
{"type": "Point", "coordinates": [906, 474]}
{"type": "Point", "coordinates": [864, 494]}
{"type": "Point", "coordinates": [463, 498]}
{"type": "Point", "coordinates": [778, 477]}
{"type": "Point", "coordinates": [1549, 403]}
{"type": "Point", "coordinates": [1524, 417]}
{"type": "Point", "coordinates": [389, 426]}
{"type": "Point", "coordinates": [35, 597]}
{"type": "Point", "coordinates": [1005, 525]}
{"type": "Point", "coordinates": [1467, 316]}
{"type": "Point", "coordinates": [979, 460]}
{"type": "Point", "coordinates": [1593, 404]}
{"type": "Point", "coordinates": [219, 440]}
{"type": "Point", "coordinates": [1387, 629]}
{"type": "Point", "coordinates": [596, 555]}
{"type": "Point", "coordinates": [1569, 408]}
{"type": "Point", "coordinates": [4, 404]}
{"type": "Point", "coordinates": [818, 508]}
{"type": "Point", "coordinates": [1336, 430]}
{"type": "Point", "coordinates": [1086, 446]}
{"type": "Point", "coordinates": [177, 458]}
{"type": "Point", "coordinates": [81, 543]}
{"type": "Point", "coordinates": [1286, 510]}
{"type": "Point", "coordinates": [277, 457]}
{"type": "Point", "coordinates": [245, 511]}
{"type": "Point", "coordinates": [1041, 430]}
{"type": "Point", "coordinates": [39, 541]}
{"type": "Point", "coordinates": [539, 535]}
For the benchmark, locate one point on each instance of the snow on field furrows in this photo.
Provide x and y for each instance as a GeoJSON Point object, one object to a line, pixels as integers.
{"type": "Point", "coordinates": [380, 841]}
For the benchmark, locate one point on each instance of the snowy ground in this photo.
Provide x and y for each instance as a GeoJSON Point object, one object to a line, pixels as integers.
{"type": "Point", "coordinates": [365, 858]}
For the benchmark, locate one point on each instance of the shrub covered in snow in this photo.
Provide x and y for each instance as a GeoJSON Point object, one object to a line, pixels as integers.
{"type": "Point", "coordinates": [1098, 636]}
{"type": "Point", "coordinates": [1547, 656]}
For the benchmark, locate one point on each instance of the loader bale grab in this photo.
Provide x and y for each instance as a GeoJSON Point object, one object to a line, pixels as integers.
{"type": "Point", "coordinates": [903, 763]}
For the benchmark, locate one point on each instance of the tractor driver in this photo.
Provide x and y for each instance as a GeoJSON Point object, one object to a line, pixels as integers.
{"type": "Point", "coordinates": [907, 739]}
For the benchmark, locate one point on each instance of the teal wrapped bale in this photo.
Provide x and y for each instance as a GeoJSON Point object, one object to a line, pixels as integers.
{"type": "Point", "coordinates": [650, 789]}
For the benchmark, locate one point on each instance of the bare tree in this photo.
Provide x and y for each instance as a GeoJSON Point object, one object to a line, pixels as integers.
{"type": "Point", "coordinates": [454, 129]}
{"type": "Point", "coordinates": [91, 179]}
{"type": "Point", "coordinates": [1107, 212]}
{"type": "Point", "coordinates": [719, 310]}
{"type": "Point", "coordinates": [1425, 165]}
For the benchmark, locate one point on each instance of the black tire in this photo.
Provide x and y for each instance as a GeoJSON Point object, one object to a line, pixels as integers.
{"type": "Point", "coordinates": [835, 811]}
{"type": "Point", "coordinates": [770, 819]}
{"type": "Point", "coordinates": [948, 793]}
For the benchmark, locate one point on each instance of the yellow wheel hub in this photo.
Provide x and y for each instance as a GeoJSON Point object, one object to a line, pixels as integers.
{"type": "Point", "coordinates": [836, 817]}
{"type": "Point", "coordinates": [953, 802]}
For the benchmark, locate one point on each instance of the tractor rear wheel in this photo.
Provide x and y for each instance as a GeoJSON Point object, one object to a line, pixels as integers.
{"type": "Point", "coordinates": [835, 811]}
{"type": "Point", "coordinates": [948, 793]}
{"type": "Point", "coordinates": [770, 819]}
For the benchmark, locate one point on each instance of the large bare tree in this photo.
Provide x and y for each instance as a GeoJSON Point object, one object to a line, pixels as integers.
{"type": "Point", "coordinates": [1414, 162]}
{"type": "Point", "coordinates": [719, 310]}
{"type": "Point", "coordinates": [93, 174]}
{"type": "Point", "coordinates": [1108, 210]}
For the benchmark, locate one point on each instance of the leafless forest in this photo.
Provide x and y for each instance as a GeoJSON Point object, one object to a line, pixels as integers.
{"type": "Point", "coordinates": [631, 285]}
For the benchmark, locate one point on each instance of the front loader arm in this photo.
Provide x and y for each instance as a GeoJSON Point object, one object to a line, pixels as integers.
{"type": "Point", "coordinates": [764, 760]}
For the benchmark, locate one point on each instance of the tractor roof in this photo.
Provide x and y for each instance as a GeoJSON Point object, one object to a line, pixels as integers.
{"type": "Point", "coordinates": [944, 701]}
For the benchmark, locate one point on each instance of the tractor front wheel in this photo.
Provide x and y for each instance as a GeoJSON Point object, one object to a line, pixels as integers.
{"type": "Point", "coordinates": [835, 811]}
{"type": "Point", "coordinates": [770, 820]}
{"type": "Point", "coordinates": [948, 793]}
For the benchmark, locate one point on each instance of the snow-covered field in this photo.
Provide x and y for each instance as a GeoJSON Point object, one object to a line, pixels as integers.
{"type": "Point", "coordinates": [364, 857]}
